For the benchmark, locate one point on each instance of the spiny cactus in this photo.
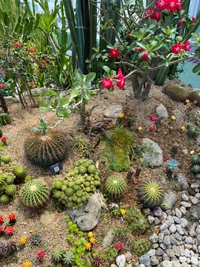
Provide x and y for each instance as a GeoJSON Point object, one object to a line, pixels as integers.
{"type": "Point", "coordinates": [46, 150]}
{"type": "Point", "coordinates": [195, 159]}
{"type": "Point", "coordinates": [6, 159]}
{"type": "Point", "coordinates": [115, 186]}
{"type": "Point", "coordinates": [20, 174]}
{"type": "Point", "coordinates": [4, 199]}
{"type": "Point", "coordinates": [10, 189]}
{"type": "Point", "coordinates": [176, 92]}
{"type": "Point", "coordinates": [140, 247]}
{"type": "Point", "coordinates": [195, 95]}
{"type": "Point", "coordinates": [57, 256]}
{"type": "Point", "coordinates": [35, 240]}
{"type": "Point", "coordinates": [34, 193]}
{"type": "Point", "coordinates": [150, 193]}
{"type": "Point", "coordinates": [197, 176]}
{"type": "Point", "coordinates": [195, 169]}
{"type": "Point", "coordinates": [68, 258]}
{"type": "Point", "coordinates": [4, 118]}
{"type": "Point", "coordinates": [192, 132]}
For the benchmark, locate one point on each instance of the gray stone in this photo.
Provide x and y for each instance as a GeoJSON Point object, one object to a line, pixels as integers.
{"type": "Point", "coordinates": [121, 260]}
{"type": "Point", "coordinates": [157, 212]}
{"type": "Point", "coordinates": [161, 111]}
{"type": "Point", "coordinates": [198, 230]}
{"type": "Point", "coordinates": [189, 240]}
{"type": "Point", "coordinates": [166, 241]}
{"type": "Point", "coordinates": [151, 252]}
{"type": "Point", "coordinates": [197, 195]}
{"type": "Point", "coordinates": [153, 238]}
{"type": "Point", "coordinates": [179, 115]}
{"type": "Point", "coordinates": [163, 246]}
{"type": "Point", "coordinates": [166, 264]}
{"type": "Point", "coordinates": [182, 181]}
{"type": "Point", "coordinates": [194, 261]}
{"type": "Point", "coordinates": [145, 259]}
{"type": "Point", "coordinates": [161, 237]}
{"type": "Point", "coordinates": [179, 229]}
{"type": "Point", "coordinates": [113, 111]}
{"type": "Point", "coordinates": [194, 185]}
{"type": "Point", "coordinates": [157, 221]}
{"type": "Point", "coordinates": [87, 217]}
{"type": "Point", "coordinates": [159, 252]}
{"type": "Point", "coordinates": [192, 230]}
{"type": "Point", "coordinates": [185, 197]}
{"type": "Point", "coordinates": [170, 253]}
{"type": "Point", "coordinates": [177, 235]}
{"type": "Point", "coordinates": [184, 223]}
{"type": "Point", "coordinates": [173, 240]}
{"type": "Point", "coordinates": [108, 239]}
{"type": "Point", "coordinates": [198, 239]}
{"type": "Point", "coordinates": [178, 213]}
{"type": "Point", "coordinates": [193, 214]}
{"type": "Point", "coordinates": [153, 155]}
{"type": "Point", "coordinates": [185, 151]}
{"type": "Point", "coordinates": [187, 253]}
{"type": "Point", "coordinates": [194, 200]}
{"type": "Point", "coordinates": [151, 219]}
{"type": "Point", "coordinates": [176, 263]}
{"type": "Point", "coordinates": [176, 220]}
{"type": "Point", "coordinates": [154, 261]}
{"type": "Point", "coordinates": [183, 209]}
{"type": "Point", "coordinates": [172, 228]}
{"type": "Point", "coordinates": [185, 204]}
{"type": "Point", "coordinates": [113, 265]}
{"type": "Point", "coordinates": [164, 226]}
{"type": "Point", "coordinates": [169, 200]}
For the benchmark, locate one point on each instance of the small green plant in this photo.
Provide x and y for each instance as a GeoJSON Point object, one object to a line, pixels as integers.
{"type": "Point", "coordinates": [195, 95]}
{"type": "Point", "coordinates": [176, 92]}
{"type": "Point", "coordinates": [150, 193]}
{"type": "Point", "coordinates": [5, 159]}
{"type": "Point", "coordinates": [140, 247]}
{"type": "Point", "coordinates": [20, 174]}
{"type": "Point", "coordinates": [34, 193]}
{"type": "Point", "coordinates": [111, 253]}
{"type": "Point", "coordinates": [68, 258]}
{"type": "Point", "coordinates": [57, 256]}
{"type": "Point", "coordinates": [115, 186]}
{"type": "Point", "coordinates": [192, 132]}
{"type": "Point", "coordinates": [35, 240]}
{"type": "Point", "coordinates": [195, 159]}
{"type": "Point", "coordinates": [4, 119]}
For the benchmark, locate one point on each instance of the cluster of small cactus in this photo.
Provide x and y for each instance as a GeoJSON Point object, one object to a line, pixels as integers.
{"type": "Point", "coordinates": [74, 190]}
{"type": "Point", "coordinates": [34, 193]}
{"type": "Point", "coordinates": [46, 150]}
{"type": "Point", "coordinates": [195, 160]}
{"type": "Point", "coordinates": [140, 247]}
{"type": "Point", "coordinates": [67, 258]}
{"type": "Point", "coordinates": [35, 240]}
{"type": "Point", "coordinates": [7, 248]}
{"type": "Point", "coordinates": [176, 92]}
{"type": "Point", "coordinates": [4, 119]}
{"type": "Point", "coordinates": [115, 186]}
{"type": "Point", "coordinates": [192, 132]}
{"type": "Point", "coordinates": [195, 95]}
{"type": "Point", "coordinates": [150, 193]}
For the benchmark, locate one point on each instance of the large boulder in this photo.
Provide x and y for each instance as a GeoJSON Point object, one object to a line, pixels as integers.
{"type": "Point", "coordinates": [153, 155]}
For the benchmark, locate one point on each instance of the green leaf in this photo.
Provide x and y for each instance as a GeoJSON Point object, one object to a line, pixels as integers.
{"type": "Point", "coordinates": [141, 45]}
{"type": "Point", "coordinates": [55, 103]}
{"type": "Point", "coordinates": [106, 68]}
{"type": "Point", "coordinates": [86, 96]}
{"type": "Point", "coordinates": [90, 77]}
{"type": "Point", "coordinates": [79, 75]}
{"type": "Point", "coordinates": [62, 112]}
{"type": "Point", "coordinates": [64, 101]}
{"type": "Point", "coordinates": [36, 129]}
{"type": "Point", "coordinates": [45, 107]}
{"type": "Point", "coordinates": [74, 93]}
{"type": "Point", "coordinates": [196, 68]}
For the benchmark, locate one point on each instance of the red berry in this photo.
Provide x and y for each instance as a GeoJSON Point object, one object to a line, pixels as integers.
{"type": "Point", "coordinates": [151, 128]}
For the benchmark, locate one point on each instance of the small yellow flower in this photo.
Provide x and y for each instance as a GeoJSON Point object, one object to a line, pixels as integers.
{"type": "Point", "coordinates": [27, 264]}
{"type": "Point", "coordinates": [187, 101]}
{"type": "Point", "coordinates": [121, 115]}
{"type": "Point", "coordinates": [88, 246]}
{"type": "Point", "coordinates": [90, 234]}
{"type": "Point", "coordinates": [139, 128]}
{"type": "Point", "coordinates": [92, 240]}
{"type": "Point", "coordinates": [22, 240]}
{"type": "Point", "coordinates": [173, 118]}
{"type": "Point", "coordinates": [122, 211]}
{"type": "Point", "coordinates": [183, 128]}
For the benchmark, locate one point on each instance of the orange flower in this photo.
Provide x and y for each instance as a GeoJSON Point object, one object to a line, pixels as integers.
{"type": "Point", "coordinates": [27, 264]}
{"type": "Point", "coordinates": [90, 234]}
{"type": "Point", "coordinates": [92, 240]}
{"type": "Point", "coordinates": [88, 246]}
{"type": "Point", "coordinates": [22, 240]}
{"type": "Point", "coordinates": [187, 101]}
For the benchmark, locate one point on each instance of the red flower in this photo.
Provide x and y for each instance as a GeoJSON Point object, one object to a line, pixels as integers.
{"type": "Point", "coordinates": [3, 139]}
{"type": "Point", "coordinates": [190, 107]}
{"type": "Point", "coordinates": [195, 102]}
{"type": "Point", "coordinates": [11, 217]}
{"type": "Point", "coordinates": [186, 46]}
{"type": "Point", "coordinates": [2, 85]}
{"type": "Point", "coordinates": [40, 254]}
{"type": "Point", "coordinates": [156, 15]}
{"type": "Point", "coordinates": [9, 230]}
{"type": "Point", "coordinates": [31, 50]}
{"type": "Point", "coordinates": [46, 58]}
{"type": "Point", "coordinates": [145, 55]}
{"type": "Point", "coordinates": [176, 48]}
{"type": "Point", "coordinates": [107, 83]}
{"type": "Point", "coordinates": [118, 246]}
{"type": "Point", "coordinates": [166, 160]}
{"type": "Point", "coordinates": [121, 79]}
{"type": "Point", "coordinates": [151, 128]}
{"type": "Point", "coordinates": [153, 118]}
{"type": "Point", "coordinates": [31, 83]}
{"type": "Point", "coordinates": [16, 44]}
{"type": "Point", "coordinates": [147, 13]}
{"type": "Point", "coordinates": [193, 19]}
{"type": "Point", "coordinates": [1, 219]}
{"type": "Point", "coordinates": [114, 53]}
{"type": "Point", "coordinates": [161, 4]}
{"type": "Point", "coordinates": [172, 6]}
{"type": "Point", "coordinates": [1, 229]}
{"type": "Point", "coordinates": [181, 22]}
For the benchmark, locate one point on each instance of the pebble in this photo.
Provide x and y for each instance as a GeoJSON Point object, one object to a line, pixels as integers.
{"type": "Point", "coordinates": [185, 204]}
{"type": "Point", "coordinates": [194, 200]}
{"type": "Point", "coordinates": [194, 261]}
{"type": "Point", "coordinates": [198, 230]}
{"type": "Point", "coordinates": [121, 260]}
{"type": "Point", "coordinates": [183, 210]}
{"type": "Point", "coordinates": [172, 228]}
{"type": "Point", "coordinates": [178, 213]}
{"type": "Point", "coordinates": [185, 197]}
{"type": "Point", "coordinates": [194, 185]}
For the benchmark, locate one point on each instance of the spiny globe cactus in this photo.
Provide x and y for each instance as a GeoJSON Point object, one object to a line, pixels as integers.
{"type": "Point", "coordinates": [34, 193]}
{"type": "Point", "coordinates": [176, 92]}
{"type": "Point", "coordinates": [68, 258]}
{"type": "Point", "coordinates": [4, 199]}
{"type": "Point", "coordinates": [195, 159]}
{"type": "Point", "coordinates": [115, 186]}
{"type": "Point", "coordinates": [150, 193]}
{"type": "Point", "coordinates": [195, 169]}
{"type": "Point", "coordinates": [195, 95]}
{"type": "Point", "coordinates": [5, 159]}
{"type": "Point", "coordinates": [20, 174]}
{"type": "Point", "coordinates": [192, 132]}
{"type": "Point", "coordinates": [140, 247]}
{"type": "Point", "coordinates": [46, 150]}
{"type": "Point", "coordinates": [57, 256]}
{"type": "Point", "coordinates": [4, 119]}
{"type": "Point", "coordinates": [10, 189]}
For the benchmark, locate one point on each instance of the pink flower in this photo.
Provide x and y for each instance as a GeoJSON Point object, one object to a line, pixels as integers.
{"type": "Point", "coordinates": [186, 45]}
{"type": "Point", "coordinates": [181, 22]}
{"type": "Point", "coordinates": [121, 79]}
{"type": "Point", "coordinates": [118, 245]}
{"type": "Point", "coordinates": [2, 85]}
{"type": "Point", "coordinates": [161, 4]}
{"type": "Point", "coordinates": [193, 19]}
{"type": "Point", "coordinates": [1, 219]}
{"type": "Point", "coordinates": [1, 229]}
{"type": "Point", "coordinates": [9, 230]}
{"type": "Point", "coordinates": [151, 128]}
{"type": "Point", "coordinates": [46, 58]}
{"type": "Point", "coordinates": [40, 254]}
{"type": "Point", "coordinates": [156, 15]}
{"type": "Point", "coordinates": [107, 83]}
{"type": "Point", "coordinates": [114, 53]}
{"type": "Point", "coordinates": [167, 159]}
{"type": "Point", "coordinates": [176, 48]}
{"type": "Point", "coordinates": [145, 56]}
{"type": "Point", "coordinates": [147, 13]}
{"type": "Point", "coordinates": [3, 139]}
{"type": "Point", "coordinates": [153, 118]}
{"type": "Point", "coordinates": [31, 83]}
{"type": "Point", "coordinates": [195, 102]}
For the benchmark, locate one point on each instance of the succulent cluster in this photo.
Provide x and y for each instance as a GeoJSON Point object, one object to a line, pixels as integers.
{"type": "Point", "coordinates": [74, 190]}
{"type": "Point", "coordinates": [176, 92]}
{"type": "Point", "coordinates": [4, 119]}
{"type": "Point", "coordinates": [34, 193]}
{"type": "Point", "coordinates": [195, 160]}
{"type": "Point", "coordinates": [150, 193]}
{"type": "Point", "coordinates": [115, 186]}
{"type": "Point", "coordinates": [67, 257]}
{"type": "Point", "coordinates": [195, 95]}
{"type": "Point", "coordinates": [35, 240]}
{"type": "Point", "coordinates": [140, 247]}
{"type": "Point", "coordinates": [46, 150]}
{"type": "Point", "coordinates": [7, 248]}
{"type": "Point", "coordinates": [192, 132]}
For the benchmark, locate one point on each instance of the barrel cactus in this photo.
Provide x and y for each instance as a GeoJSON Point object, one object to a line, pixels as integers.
{"type": "Point", "coordinates": [4, 119]}
{"type": "Point", "coordinates": [192, 132]}
{"type": "Point", "coordinates": [46, 150]}
{"type": "Point", "coordinates": [176, 92]}
{"type": "Point", "coordinates": [5, 159]}
{"type": "Point", "coordinates": [140, 247]}
{"type": "Point", "coordinates": [34, 193]}
{"type": "Point", "coordinates": [150, 193]}
{"type": "Point", "coordinates": [115, 186]}
{"type": "Point", "coordinates": [20, 174]}
{"type": "Point", "coordinates": [195, 169]}
{"type": "Point", "coordinates": [195, 159]}
{"type": "Point", "coordinates": [195, 95]}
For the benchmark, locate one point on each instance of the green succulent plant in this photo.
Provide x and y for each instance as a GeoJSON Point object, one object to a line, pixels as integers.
{"type": "Point", "coordinates": [10, 189]}
{"type": "Point", "coordinates": [20, 174]}
{"type": "Point", "coordinates": [46, 150]}
{"type": "Point", "coordinates": [115, 186]}
{"type": "Point", "coordinates": [195, 159]}
{"type": "Point", "coordinates": [4, 119]}
{"type": "Point", "coordinates": [6, 159]}
{"type": "Point", "coordinates": [4, 199]}
{"type": "Point", "coordinates": [57, 256]}
{"type": "Point", "coordinates": [34, 193]}
{"type": "Point", "coordinates": [35, 240]}
{"type": "Point", "coordinates": [150, 193]}
{"type": "Point", "coordinates": [195, 95]}
{"type": "Point", "coordinates": [192, 132]}
{"type": "Point", "coordinates": [68, 258]}
{"type": "Point", "coordinates": [176, 92]}
{"type": "Point", "coordinates": [195, 169]}
{"type": "Point", "coordinates": [140, 247]}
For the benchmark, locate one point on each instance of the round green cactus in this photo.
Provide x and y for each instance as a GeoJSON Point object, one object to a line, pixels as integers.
{"type": "Point", "coordinates": [150, 193]}
{"type": "Point", "coordinates": [195, 169]}
{"type": "Point", "coordinates": [140, 247]}
{"type": "Point", "coordinates": [68, 258]}
{"type": "Point", "coordinates": [4, 199]}
{"type": "Point", "coordinates": [6, 159]}
{"type": "Point", "coordinates": [4, 119]}
{"type": "Point", "coordinates": [197, 176]}
{"type": "Point", "coordinates": [195, 95]}
{"type": "Point", "coordinates": [195, 159]}
{"type": "Point", "coordinates": [176, 92]}
{"type": "Point", "coordinates": [20, 174]}
{"type": "Point", "coordinates": [192, 132]}
{"type": "Point", "coordinates": [34, 193]}
{"type": "Point", "coordinates": [10, 189]}
{"type": "Point", "coordinates": [46, 150]}
{"type": "Point", "coordinates": [115, 186]}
